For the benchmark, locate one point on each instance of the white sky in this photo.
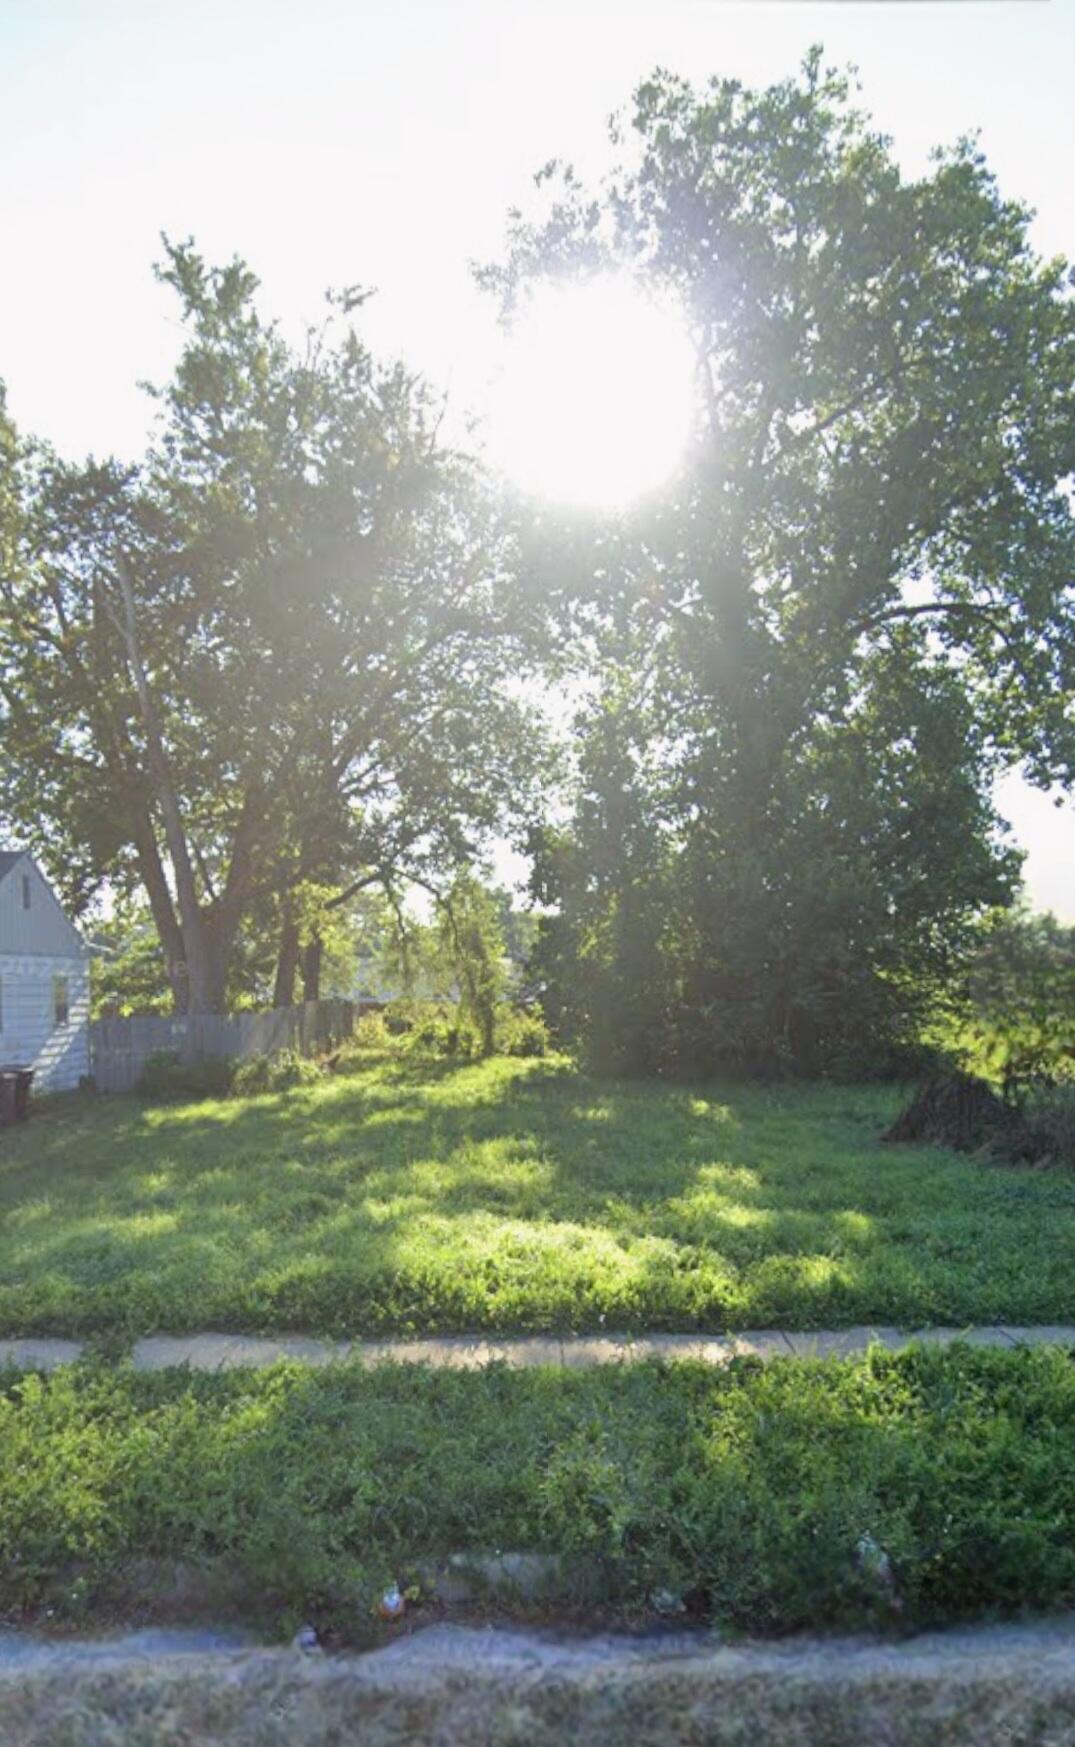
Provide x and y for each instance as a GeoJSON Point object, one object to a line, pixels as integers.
{"type": "Point", "coordinates": [381, 142]}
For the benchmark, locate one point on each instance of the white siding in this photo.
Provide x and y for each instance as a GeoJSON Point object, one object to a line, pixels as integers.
{"type": "Point", "coordinates": [29, 1036]}
{"type": "Point", "coordinates": [41, 928]}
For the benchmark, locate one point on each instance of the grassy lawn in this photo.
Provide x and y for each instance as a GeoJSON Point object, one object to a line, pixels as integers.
{"type": "Point", "coordinates": [515, 1195]}
{"type": "Point", "coordinates": [748, 1493]}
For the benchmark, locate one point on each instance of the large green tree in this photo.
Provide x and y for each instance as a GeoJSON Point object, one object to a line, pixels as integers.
{"type": "Point", "coordinates": [852, 606]}
{"type": "Point", "coordinates": [278, 657]}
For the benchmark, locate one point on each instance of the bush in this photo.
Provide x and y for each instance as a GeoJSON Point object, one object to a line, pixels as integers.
{"type": "Point", "coordinates": [400, 1017]}
{"type": "Point", "coordinates": [371, 1036]}
{"type": "Point", "coordinates": [1050, 1113]}
{"type": "Point", "coordinates": [960, 1111]}
{"type": "Point", "coordinates": [440, 1031]}
{"type": "Point", "coordinates": [370, 1032]}
{"type": "Point", "coordinates": [167, 1078]}
{"type": "Point", "coordinates": [1013, 1017]}
{"type": "Point", "coordinates": [275, 1072]}
{"type": "Point", "coordinates": [520, 1032]}
{"type": "Point", "coordinates": [442, 1028]}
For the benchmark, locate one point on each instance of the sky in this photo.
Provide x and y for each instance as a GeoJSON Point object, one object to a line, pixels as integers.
{"type": "Point", "coordinates": [381, 142]}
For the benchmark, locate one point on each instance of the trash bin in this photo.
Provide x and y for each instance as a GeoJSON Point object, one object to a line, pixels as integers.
{"type": "Point", "coordinates": [15, 1086]}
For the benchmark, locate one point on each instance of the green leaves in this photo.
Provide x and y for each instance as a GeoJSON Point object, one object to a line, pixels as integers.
{"type": "Point", "coordinates": [855, 607]}
{"type": "Point", "coordinates": [281, 656]}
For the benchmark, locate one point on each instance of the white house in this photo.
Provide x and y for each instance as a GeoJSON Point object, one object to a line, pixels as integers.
{"type": "Point", "coordinates": [44, 979]}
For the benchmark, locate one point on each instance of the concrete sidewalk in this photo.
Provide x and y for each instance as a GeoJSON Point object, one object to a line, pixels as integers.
{"type": "Point", "coordinates": [213, 1351]}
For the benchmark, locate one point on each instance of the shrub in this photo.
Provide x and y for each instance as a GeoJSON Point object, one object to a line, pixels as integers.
{"type": "Point", "coordinates": [439, 1029]}
{"type": "Point", "coordinates": [275, 1072]}
{"type": "Point", "coordinates": [402, 1015]}
{"type": "Point", "coordinates": [370, 1032]}
{"type": "Point", "coordinates": [166, 1077]}
{"type": "Point", "coordinates": [960, 1111]}
{"type": "Point", "coordinates": [1050, 1113]}
{"type": "Point", "coordinates": [427, 1027]}
{"type": "Point", "coordinates": [371, 1036]}
{"type": "Point", "coordinates": [441, 1032]}
{"type": "Point", "coordinates": [520, 1032]}
{"type": "Point", "coordinates": [1013, 1019]}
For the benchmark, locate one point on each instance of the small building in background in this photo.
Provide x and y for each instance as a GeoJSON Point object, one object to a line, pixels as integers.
{"type": "Point", "coordinates": [44, 979]}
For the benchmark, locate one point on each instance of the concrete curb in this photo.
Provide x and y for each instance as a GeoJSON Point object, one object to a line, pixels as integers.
{"type": "Point", "coordinates": [448, 1685]}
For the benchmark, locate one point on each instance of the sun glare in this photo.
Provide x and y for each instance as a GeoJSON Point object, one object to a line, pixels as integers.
{"type": "Point", "coordinates": [595, 400]}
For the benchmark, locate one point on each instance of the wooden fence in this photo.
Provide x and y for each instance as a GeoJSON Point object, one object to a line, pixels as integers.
{"type": "Point", "coordinates": [119, 1048]}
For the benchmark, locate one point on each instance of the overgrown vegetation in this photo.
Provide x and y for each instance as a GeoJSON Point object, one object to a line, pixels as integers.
{"type": "Point", "coordinates": [748, 1494]}
{"type": "Point", "coordinates": [412, 1194]}
{"type": "Point", "coordinates": [783, 830]}
{"type": "Point", "coordinates": [276, 1072]}
{"type": "Point", "coordinates": [961, 1111]}
{"type": "Point", "coordinates": [416, 1031]}
{"type": "Point", "coordinates": [1005, 1034]}
{"type": "Point", "coordinates": [443, 1029]}
{"type": "Point", "coordinates": [1051, 1115]}
{"type": "Point", "coordinates": [1010, 1013]}
{"type": "Point", "coordinates": [273, 670]}
{"type": "Point", "coordinates": [166, 1076]}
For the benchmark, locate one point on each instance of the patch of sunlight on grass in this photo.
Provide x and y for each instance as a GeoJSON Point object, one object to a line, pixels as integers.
{"type": "Point", "coordinates": [700, 1203]}
{"type": "Point", "coordinates": [815, 1271]}
{"type": "Point", "coordinates": [30, 1213]}
{"type": "Point", "coordinates": [392, 1209]}
{"type": "Point", "coordinates": [490, 1169]}
{"type": "Point", "coordinates": [390, 1118]}
{"type": "Point", "coordinates": [152, 1182]}
{"type": "Point", "coordinates": [729, 1179]}
{"type": "Point", "coordinates": [516, 1195]}
{"type": "Point", "coordinates": [858, 1227]}
{"type": "Point", "coordinates": [218, 1111]}
{"type": "Point", "coordinates": [210, 1179]}
{"type": "Point", "coordinates": [143, 1225]}
{"type": "Point", "coordinates": [722, 1113]}
{"type": "Point", "coordinates": [485, 1233]}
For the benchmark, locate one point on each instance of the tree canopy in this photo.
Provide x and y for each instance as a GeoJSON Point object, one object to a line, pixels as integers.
{"type": "Point", "coordinates": [279, 654]}
{"type": "Point", "coordinates": [854, 605]}
{"type": "Point", "coordinates": [284, 658]}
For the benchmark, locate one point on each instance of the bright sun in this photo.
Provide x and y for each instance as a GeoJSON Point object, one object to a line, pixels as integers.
{"type": "Point", "coordinates": [595, 402]}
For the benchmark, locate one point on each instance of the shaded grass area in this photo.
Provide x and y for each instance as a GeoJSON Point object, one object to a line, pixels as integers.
{"type": "Point", "coordinates": [515, 1195]}
{"type": "Point", "coordinates": [748, 1493]}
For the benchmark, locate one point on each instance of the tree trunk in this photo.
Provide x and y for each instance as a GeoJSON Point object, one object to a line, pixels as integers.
{"type": "Point", "coordinates": [287, 966]}
{"type": "Point", "coordinates": [311, 969]}
{"type": "Point", "coordinates": [196, 957]}
{"type": "Point", "coordinates": [151, 869]}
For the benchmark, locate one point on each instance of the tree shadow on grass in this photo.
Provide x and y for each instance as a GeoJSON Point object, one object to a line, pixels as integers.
{"type": "Point", "coordinates": [515, 1196]}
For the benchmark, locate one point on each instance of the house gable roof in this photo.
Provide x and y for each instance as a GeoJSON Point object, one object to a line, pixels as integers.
{"type": "Point", "coordinates": [49, 929]}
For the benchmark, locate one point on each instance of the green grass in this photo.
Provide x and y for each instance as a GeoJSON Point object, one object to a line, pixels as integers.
{"type": "Point", "coordinates": [515, 1195]}
{"type": "Point", "coordinates": [748, 1493]}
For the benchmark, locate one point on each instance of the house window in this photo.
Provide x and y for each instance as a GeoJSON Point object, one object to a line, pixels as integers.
{"type": "Point", "coordinates": [59, 1000]}
{"type": "Point", "coordinates": [26, 891]}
